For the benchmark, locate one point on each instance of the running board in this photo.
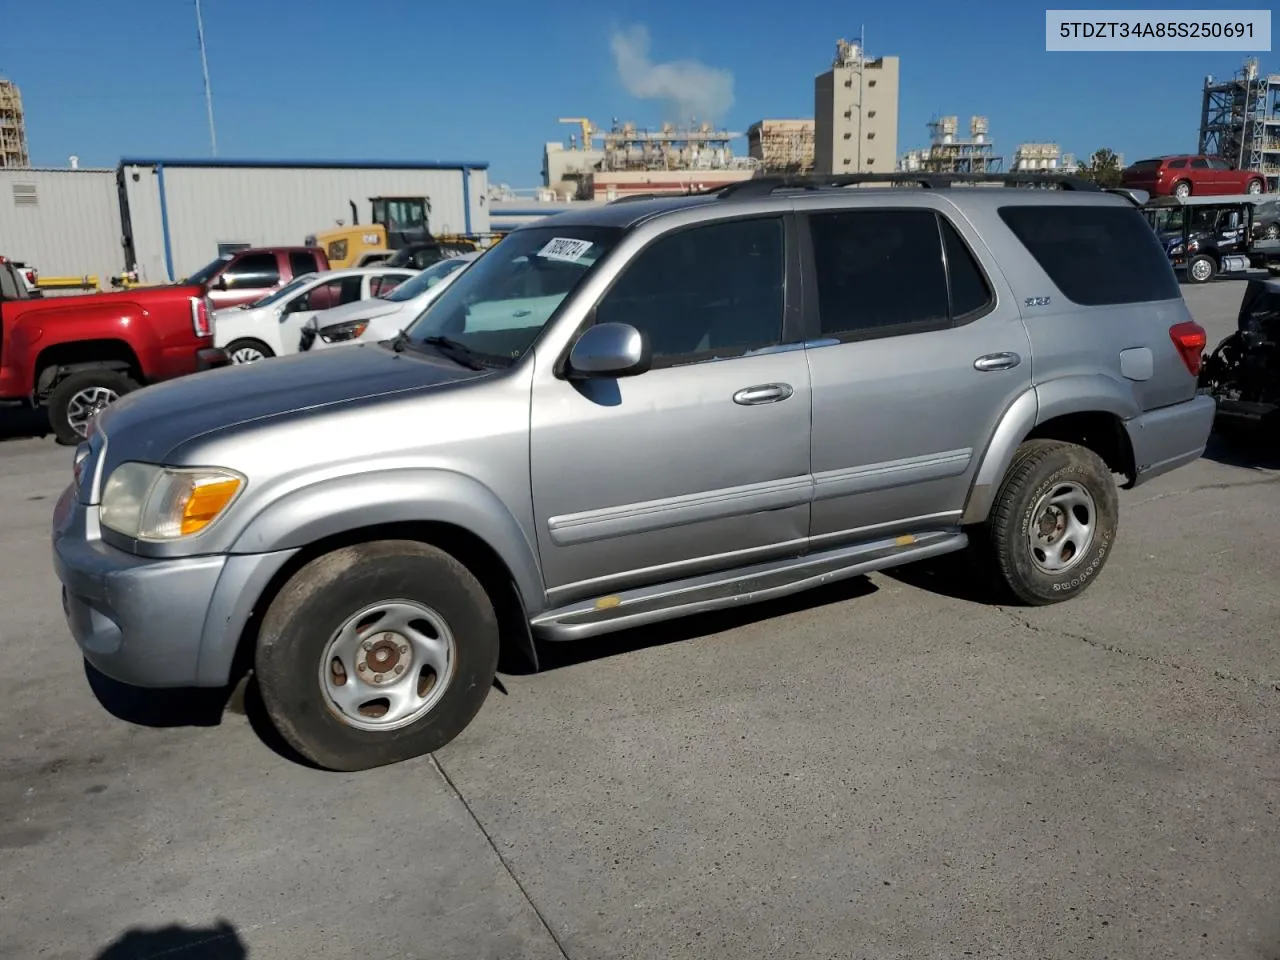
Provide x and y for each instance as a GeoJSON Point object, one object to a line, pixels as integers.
{"type": "Point", "coordinates": [764, 581]}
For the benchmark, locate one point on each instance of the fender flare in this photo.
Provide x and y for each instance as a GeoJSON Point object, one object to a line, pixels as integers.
{"type": "Point", "coordinates": [1091, 393]}
{"type": "Point", "coordinates": [330, 506]}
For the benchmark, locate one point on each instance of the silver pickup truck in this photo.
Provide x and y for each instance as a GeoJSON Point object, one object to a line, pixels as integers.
{"type": "Point", "coordinates": [649, 409]}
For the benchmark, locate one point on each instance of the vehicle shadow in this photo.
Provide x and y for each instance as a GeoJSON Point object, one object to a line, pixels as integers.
{"type": "Point", "coordinates": [1252, 450]}
{"type": "Point", "coordinates": [180, 707]}
{"type": "Point", "coordinates": [218, 942]}
{"type": "Point", "coordinates": [21, 423]}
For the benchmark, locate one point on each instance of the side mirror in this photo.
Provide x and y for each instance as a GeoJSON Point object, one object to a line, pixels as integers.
{"type": "Point", "coordinates": [609, 350]}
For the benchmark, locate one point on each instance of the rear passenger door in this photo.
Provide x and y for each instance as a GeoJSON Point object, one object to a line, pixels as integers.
{"type": "Point", "coordinates": [917, 348]}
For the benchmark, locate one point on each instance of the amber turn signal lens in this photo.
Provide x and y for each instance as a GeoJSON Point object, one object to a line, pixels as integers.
{"type": "Point", "coordinates": [207, 499]}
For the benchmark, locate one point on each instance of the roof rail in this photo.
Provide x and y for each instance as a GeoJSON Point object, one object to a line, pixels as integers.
{"type": "Point", "coordinates": [763, 186]}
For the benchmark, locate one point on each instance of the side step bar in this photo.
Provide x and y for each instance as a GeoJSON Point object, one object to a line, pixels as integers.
{"type": "Point", "coordinates": [765, 581]}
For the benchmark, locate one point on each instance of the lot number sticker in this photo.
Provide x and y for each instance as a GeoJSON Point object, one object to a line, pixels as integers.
{"type": "Point", "coordinates": [565, 248]}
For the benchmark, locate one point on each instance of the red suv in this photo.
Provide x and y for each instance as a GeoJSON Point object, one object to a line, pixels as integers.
{"type": "Point", "coordinates": [1189, 175]}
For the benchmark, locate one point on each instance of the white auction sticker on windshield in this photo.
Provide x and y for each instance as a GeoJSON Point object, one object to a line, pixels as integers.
{"type": "Point", "coordinates": [565, 248]}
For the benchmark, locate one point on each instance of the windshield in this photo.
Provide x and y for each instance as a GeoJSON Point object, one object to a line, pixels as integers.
{"type": "Point", "coordinates": [424, 281]}
{"type": "Point", "coordinates": [498, 308]}
{"type": "Point", "coordinates": [289, 288]}
{"type": "Point", "coordinates": [207, 272]}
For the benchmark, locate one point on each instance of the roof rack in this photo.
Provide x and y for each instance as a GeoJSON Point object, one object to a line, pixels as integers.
{"type": "Point", "coordinates": [763, 186]}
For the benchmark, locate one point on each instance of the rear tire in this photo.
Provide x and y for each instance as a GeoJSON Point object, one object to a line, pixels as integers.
{"type": "Point", "coordinates": [80, 397]}
{"type": "Point", "coordinates": [1054, 522]}
{"type": "Point", "coordinates": [376, 653]}
{"type": "Point", "coordinates": [1254, 188]}
{"type": "Point", "coordinates": [1182, 189]}
{"type": "Point", "coordinates": [248, 350]}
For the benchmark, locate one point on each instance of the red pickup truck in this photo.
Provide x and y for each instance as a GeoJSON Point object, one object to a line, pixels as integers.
{"type": "Point", "coordinates": [248, 275]}
{"type": "Point", "coordinates": [73, 355]}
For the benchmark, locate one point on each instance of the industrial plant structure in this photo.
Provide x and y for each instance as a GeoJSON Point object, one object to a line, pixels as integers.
{"type": "Point", "coordinates": [782, 146]}
{"type": "Point", "coordinates": [855, 112]}
{"type": "Point", "coordinates": [13, 128]}
{"type": "Point", "coordinates": [633, 160]}
{"type": "Point", "coordinates": [1240, 122]}
{"type": "Point", "coordinates": [948, 153]}
{"type": "Point", "coordinates": [1038, 156]}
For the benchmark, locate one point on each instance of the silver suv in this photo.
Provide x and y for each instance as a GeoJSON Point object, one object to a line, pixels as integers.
{"type": "Point", "coordinates": [648, 409]}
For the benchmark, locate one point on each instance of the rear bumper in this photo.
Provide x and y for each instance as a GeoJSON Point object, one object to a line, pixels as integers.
{"type": "Point", "coordinates": [211, 357]}
{"type": "Point", "coordinates": [1171, 437]}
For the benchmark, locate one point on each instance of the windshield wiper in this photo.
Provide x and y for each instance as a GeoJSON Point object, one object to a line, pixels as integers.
{"type": "Point", "coordinates": [455, 351]}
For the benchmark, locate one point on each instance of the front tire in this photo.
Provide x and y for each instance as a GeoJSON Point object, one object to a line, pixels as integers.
{"type": "Point", "coordinates": [80, 397]}
{"type": "Point", "coordinates": [1201, 269]}
{"type": "Point", "coordinates": [248, 350]}
{"type": "Point", "coordinates": [1054, 521]}
{"type": "Point", "coordinates": [376, 653]}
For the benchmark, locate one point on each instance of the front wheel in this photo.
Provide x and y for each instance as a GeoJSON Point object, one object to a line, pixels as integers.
{"type": "Point", "coordinates": [1201, 269]}
{"type": "Point", "coordinates": [80, 397]}
{"type": "Point", "coordinates": [376, 653]}
{"type": "Point", "coordinates": [1054, 521]}
{"type": "Point", "coordinates": [248, 350]}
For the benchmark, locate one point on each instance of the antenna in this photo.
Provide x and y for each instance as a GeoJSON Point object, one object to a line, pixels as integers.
{"type": "Point", "coordinates": [208, 91]}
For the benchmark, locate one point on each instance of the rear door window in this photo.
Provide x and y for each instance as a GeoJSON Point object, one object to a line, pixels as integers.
{"type": "Point", "coordinates": [1096, 255]}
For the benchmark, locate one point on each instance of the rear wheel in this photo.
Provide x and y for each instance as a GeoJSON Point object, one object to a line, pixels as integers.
{"type": "Point", "coordinates": [1182, 188]}
{"type": "Point", "coordinates": [1054, 521]}
{"type": "Point", "coordinates": [79, 397]}
{"type": "Point", "coordinates": [1255, 187]}
{"type": "Point", "coordinates": [376, 653]}
{"type": "Point", "coordinates": [1272, 232]}
{"type": "Point", "coordinates": [1201, 269]}
{"type": "Point", "coordinates": [248, 350]}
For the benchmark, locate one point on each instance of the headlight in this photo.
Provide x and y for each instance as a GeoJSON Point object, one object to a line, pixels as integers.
{"type": "Point", "coordinates": [1175, 249]}
{"type": "Point", "coordinates": [344, 331]}
{"type": "Point", "coordinates": [149, 502]}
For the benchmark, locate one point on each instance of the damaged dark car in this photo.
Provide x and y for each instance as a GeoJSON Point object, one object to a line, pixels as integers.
{"type": "Point", "coordinates": [1243, 372]}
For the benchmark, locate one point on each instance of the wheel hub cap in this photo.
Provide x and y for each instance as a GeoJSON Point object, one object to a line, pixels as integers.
{"type": "Point", "coordinates": [87, 404]}
{"type": "Point", "coordinates": [388, 665]}
{"type": "Point", "coordinates": [1063, 524]}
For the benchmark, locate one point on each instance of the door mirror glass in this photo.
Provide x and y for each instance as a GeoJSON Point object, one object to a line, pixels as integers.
{"type": "Point", "coordinates": [610, 350]}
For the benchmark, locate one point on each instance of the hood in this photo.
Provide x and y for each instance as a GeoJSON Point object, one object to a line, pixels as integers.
{"type": "Point", "coordinates": [360, 310]}
{"type": "Point", "coordinates": [149, 423]}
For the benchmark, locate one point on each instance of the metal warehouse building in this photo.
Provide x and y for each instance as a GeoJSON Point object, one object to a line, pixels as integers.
{"type": "Point", "coordinates": [64, 222]}
{"type": "Point", "coordinates": [168, 218]}
{"type": "Point", "coordinates": [180, 214]}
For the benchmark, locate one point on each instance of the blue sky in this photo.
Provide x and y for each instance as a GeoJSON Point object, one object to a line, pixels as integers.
{"type": "Point", "coordinates": [487, 81]}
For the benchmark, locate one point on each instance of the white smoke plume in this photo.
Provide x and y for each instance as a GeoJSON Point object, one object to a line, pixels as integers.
{"type": "Point", "coordinates": [685, 87]}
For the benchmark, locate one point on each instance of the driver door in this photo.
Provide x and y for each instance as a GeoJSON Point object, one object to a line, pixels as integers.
{"type": "Point", "coordinates": [701, 463]}
{"type": "Point", "coordinates": [323, 296]}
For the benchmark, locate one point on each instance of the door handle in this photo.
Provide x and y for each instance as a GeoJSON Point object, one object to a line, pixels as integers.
{"type": "Point", "coordinates": [763, 393]}
{"type": "Point", "coordinates": [997, 361]}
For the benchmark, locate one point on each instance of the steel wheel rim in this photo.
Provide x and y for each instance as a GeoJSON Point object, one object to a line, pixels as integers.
{"type": "Point", "coordinates": [86, 404]}
{"type": "Point", "coordinates": [1200, 270]}
{"type": "Point", "coordinates": [247, 355]}
{"type": "Point", "coordinates": [388, 665]}
{"type": "Point", "coordinates": [1063, 524]}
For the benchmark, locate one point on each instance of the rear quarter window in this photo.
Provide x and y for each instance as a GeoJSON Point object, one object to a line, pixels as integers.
{"type": "Point", "coordinates": [1096, 255]}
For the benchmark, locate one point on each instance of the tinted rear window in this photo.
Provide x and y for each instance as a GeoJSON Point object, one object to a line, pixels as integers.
{"type": "Point", "coordinates": [1096, 255]}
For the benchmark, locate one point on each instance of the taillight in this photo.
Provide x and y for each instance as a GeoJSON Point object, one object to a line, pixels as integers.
{"type": "Point", "coordinates": [201, 319]}
{"type": "Point", "coordinates": [1190, 339]}
{"type": "Point", "coordinates": [32, 277]}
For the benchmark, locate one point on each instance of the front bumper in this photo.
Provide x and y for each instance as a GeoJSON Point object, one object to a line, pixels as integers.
{"type": "Point", "coordinates": [1170, 437]}
{"type": "Point", "coordinates": [153, 623]}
